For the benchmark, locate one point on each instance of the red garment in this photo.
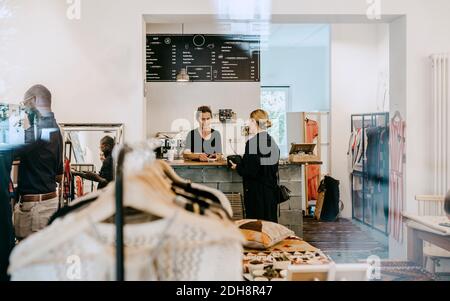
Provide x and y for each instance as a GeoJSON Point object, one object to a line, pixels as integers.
{"type": "Point", "coordinates": [313, 171]}
{"type": "Point", "coordinates": [79, 186]}
{"type": "Point", "coordinates": [67, 180]}
{"type": "Point", "coordinates": [313, 181]}
{"type": "Point", "coordinates": [312, 130]}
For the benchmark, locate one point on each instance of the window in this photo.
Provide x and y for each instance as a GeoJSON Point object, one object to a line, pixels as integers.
{"type": "Point", "coordinates": [275, 101]}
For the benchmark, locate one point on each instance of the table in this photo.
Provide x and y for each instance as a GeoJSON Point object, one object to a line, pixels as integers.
{"type": "Point", "coordinates": [425, 228]}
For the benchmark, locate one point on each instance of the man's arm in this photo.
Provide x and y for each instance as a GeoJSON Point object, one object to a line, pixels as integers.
{"type": "Point", "coordinates": [188, 143]}
{"type": "Point", "coordinates": [218, 148]}
{"type": "Point", "coordinates": [91, 176]}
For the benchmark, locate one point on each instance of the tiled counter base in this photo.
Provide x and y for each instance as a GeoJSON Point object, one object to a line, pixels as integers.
{"type": "Point", "coordinates": [228, 181]}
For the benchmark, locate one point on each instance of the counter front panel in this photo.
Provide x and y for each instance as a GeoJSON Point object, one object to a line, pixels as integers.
{"type": "Point", "coordinates": [217, 175]}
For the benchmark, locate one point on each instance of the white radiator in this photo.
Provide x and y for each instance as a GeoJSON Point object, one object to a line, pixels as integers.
{"type": "Point", "coordinates": [440, 89]}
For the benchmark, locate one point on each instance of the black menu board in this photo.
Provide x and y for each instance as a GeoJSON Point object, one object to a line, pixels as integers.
{"type": "Point", "coordinates": [205, 57]}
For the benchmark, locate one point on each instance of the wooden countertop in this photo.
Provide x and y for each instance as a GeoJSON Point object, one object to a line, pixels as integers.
{"type": "Point", "coordinates": [224, 163]}
{"type": "Point", "coordinates": [197, 163]}
{"type": "Point", "coordinates": [312, 162]}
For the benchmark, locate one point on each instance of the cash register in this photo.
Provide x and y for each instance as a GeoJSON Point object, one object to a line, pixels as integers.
{"type": "Point", "coordinates": [302, 153]}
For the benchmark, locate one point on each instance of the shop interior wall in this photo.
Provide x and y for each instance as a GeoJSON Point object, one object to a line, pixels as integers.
{"type": "Point", "coordinates": [92, 65]}
{"type": "Point", "coordinates": [359, 71]}
{"type": "Point", "coordinates": [303, 66]}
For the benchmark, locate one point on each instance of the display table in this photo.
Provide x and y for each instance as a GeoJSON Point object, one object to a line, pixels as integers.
{"type": "Point", "coordinates": [425, 228]}
{"type": "Point", "coordinates": [291, 251]}
{"type": "Point", "coordinates": [217, 175]}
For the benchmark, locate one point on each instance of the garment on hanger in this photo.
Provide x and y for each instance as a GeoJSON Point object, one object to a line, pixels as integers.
{"type": "Point", "coordinates": [377, 155]}
{"type": "Point", "coordinates": [211, 194]}
{"type": "Point", "coordinates": [384, 164]}
{"type": "Point", "coordinates": [68, 191]}
{"type": "Point", "coordinates": [169, 244]}
{"type": "Point", "coordinates": [76, 205]}
{"type": "Point", "coordinates": [351, 142]}
{"type": "Point", "coordinates": [355, 153]}
{"type": "Point", "coordinates": [79, 186]}
{"type": "Point", "coordinates": [313, 171]}
{"type": "Point", "coordinates": [396, 179]}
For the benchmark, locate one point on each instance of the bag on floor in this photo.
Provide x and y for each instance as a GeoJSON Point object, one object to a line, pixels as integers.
{"type": "Point", "coordinates": [328, 206]}
{"type": "Point", "coordinates": [319, 202]}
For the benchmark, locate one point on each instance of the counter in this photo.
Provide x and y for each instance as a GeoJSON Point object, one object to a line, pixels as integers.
{"type": "Point", "coordinates": [217, 175]}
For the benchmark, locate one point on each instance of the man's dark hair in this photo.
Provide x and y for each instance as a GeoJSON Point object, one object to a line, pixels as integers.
{"type": "Point", "coordinates": [203, 109]}
{"type": "Point", "coordinates": [108, 141]}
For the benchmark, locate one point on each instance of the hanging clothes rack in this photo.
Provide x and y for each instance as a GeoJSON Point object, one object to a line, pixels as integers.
{"type": "Point", "coordinates": [364, 122]}
{"type": "Point", "coordinates": [119, 219]}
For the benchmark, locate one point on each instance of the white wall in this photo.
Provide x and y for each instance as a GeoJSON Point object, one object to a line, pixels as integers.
{"type": "Point", "coordinates": [304, 69]}
{"type": "Point", "coordinates": [398, 91]}
{"type": "Point", "coordinates": [427, 33]}
{"type": "Point", "coordinates": [92, 66]}
{"type": "Point", "coordinates": [357, 56]}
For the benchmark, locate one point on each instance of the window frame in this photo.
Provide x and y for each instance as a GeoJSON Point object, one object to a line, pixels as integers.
{"type": "Point", "coordinates": [288, 107]}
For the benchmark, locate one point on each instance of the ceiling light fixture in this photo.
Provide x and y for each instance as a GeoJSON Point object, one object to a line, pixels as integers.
{"type": "Point", "coordinates": [182, 76]}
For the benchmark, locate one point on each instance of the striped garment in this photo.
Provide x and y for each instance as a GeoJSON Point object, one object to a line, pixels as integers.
{"type": "Point", "coordinates": [396, 179]}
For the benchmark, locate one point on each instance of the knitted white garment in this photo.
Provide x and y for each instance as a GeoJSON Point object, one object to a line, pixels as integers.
{"type": "Point", "coordinates": [185, 247]}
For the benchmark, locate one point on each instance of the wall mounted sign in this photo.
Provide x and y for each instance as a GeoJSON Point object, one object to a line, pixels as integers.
{"type": "Point", "coordinates": [206, 57]}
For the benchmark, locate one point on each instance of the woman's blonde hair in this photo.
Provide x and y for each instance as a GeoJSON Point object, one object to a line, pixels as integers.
{"type": "Point", "coordinates": [262, 119]}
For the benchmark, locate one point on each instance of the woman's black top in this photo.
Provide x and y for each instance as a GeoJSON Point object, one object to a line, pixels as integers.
{"type": "Point", "coordinates": [196, 143]}
{"type": "Point", "coordinates": [106, 172]}
{"type": "Point", "coordinates": [259, 170]}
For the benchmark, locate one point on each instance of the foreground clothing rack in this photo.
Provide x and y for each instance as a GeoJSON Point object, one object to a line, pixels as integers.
{"type": "Point", "coordinates": [370, 195]}
{"type": "Point", "coordinates": [120, 264]}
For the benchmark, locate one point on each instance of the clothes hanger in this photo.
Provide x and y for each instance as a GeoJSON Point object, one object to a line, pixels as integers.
{"type": "Point", "coordinates": [397, 116]}
{"type": "Point", "coordinates": [171, 174]}
{"type": "Point", "coordinates": [140, 193]}
{"type": "Point", "coordinates": [205, 203]}
{"type": "Point", "coordinates": [91, 197]}
{"type": "Point", "coordinates": [197, 189]}
{"type": "Point", "coordinates": [146, 190]}
{"type": "Point", "coordinates": [75, 205]}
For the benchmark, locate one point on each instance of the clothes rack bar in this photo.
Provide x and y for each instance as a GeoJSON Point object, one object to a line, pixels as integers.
{"type": "Point", "coordinates": [119, 217]}
{"type": "Point", "coordinates": [368, 120]}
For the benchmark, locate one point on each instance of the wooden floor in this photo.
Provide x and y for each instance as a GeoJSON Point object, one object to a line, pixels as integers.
{"type": "Point", "coordinates": [345, 241]}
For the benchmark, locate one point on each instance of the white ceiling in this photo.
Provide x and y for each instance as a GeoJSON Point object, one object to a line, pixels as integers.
{"type": "Point", "coordinates": [298, 35]}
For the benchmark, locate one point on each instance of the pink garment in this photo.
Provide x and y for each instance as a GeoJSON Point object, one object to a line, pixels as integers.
{"type": "Point", "coordinates": [396, 180]}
